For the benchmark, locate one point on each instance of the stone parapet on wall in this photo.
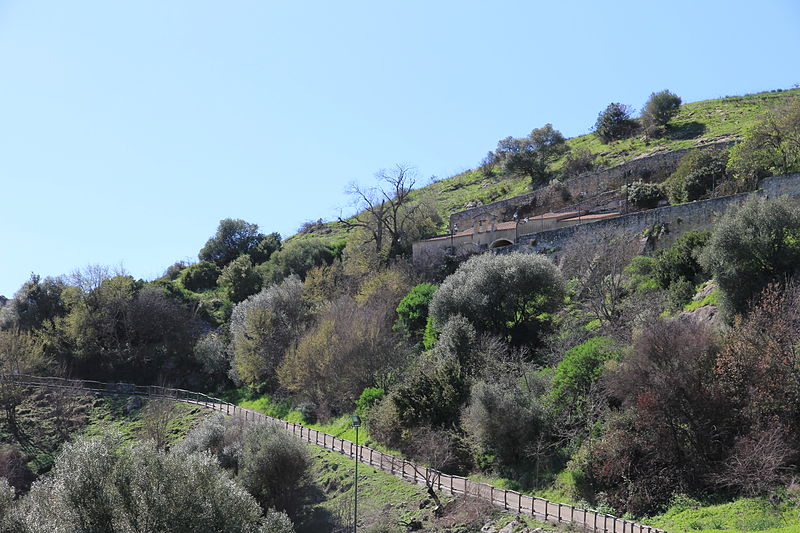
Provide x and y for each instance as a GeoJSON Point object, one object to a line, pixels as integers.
{"type": "Point", "coordinates": [654, 168]}
{"type": "Point", "coordinates": [671, 222]}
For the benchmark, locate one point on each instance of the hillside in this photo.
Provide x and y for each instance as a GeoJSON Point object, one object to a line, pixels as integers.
{"type": "Point", "coordinates": [696, 124]}
{"type": "Point", "coordinates": [616, 375]}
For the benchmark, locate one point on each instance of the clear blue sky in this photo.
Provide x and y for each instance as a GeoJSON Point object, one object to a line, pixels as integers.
{"type": "Point", "coordinates": [129, 129]}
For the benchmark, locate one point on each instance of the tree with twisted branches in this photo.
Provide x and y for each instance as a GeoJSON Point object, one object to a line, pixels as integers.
{"type": "Point", "coordinates": [387, 213]}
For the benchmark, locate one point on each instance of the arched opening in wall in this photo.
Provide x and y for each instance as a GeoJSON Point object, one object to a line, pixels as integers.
{"type": "Point", "coordinates": [499, 243]}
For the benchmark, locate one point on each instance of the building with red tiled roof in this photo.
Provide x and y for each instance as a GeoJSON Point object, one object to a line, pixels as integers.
{"type": "Point", "coordinates": [488, 233]}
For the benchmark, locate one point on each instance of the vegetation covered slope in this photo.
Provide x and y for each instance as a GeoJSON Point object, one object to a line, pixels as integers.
{"type": "Point", "coordinates": [593, 375]}
{"type": "Point", "coordinates": [695, 124]}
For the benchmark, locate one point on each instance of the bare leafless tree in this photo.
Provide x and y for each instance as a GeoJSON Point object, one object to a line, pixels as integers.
{"type": "Point", "coordinates": [597, 261]}
{"type": "Point", "coordinates": [434, 448]}
{"type": "Point", "coordinates": [157, 417]}
{"type": "Point", "coordinates": [758, 462]}
{"type": "Point", "coordinates": [64, 406]}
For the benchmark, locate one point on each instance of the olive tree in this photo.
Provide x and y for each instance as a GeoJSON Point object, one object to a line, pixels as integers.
{"type": "Point", "coordinates": [98, 486]}
{"type": "Point", "coordinates": [660, 108]}
{"type": "Point", "coordinates": [752, 245]}
{"type": "Point", "coordinates": [503, 294]}
{"type": "Point", "coordinates": [274, 467]}
{"type": "Point", "coordinates": [771, 147]}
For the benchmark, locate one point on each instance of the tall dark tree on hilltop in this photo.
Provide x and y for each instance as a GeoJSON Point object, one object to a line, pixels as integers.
{"type": "Point", "coordinates": [235, 237]}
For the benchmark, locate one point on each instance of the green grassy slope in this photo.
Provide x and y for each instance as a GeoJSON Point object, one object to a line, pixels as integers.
{"type": "Point", "coordinates": [752, 514]}
{"type": "Point", "coordinates": [389, 504]}
{"type": "Point", "coordinates": [696, 124]}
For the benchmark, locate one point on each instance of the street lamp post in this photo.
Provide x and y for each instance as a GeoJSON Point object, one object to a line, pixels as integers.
{"type": "Point", "coordinates": [356, 424]}
{"type": "Point", "coordinates": [516, 228]}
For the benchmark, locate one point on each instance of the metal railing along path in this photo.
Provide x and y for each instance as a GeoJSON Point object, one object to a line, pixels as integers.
{"type": "Point", "coordinates": [509, 500]}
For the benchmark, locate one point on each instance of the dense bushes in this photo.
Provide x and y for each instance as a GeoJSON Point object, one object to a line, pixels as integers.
{"type": "Point", "coordinates": [350, 347]}
{"type": "Point", "coordinates": [296, 257]}
{"type": "Point", "coordinates": [698, 173]}
{"type": "Point", "coordinates": [200, 276]}
{"type": "Point", "coordinates": [668, 436]}
{"type": "Point", "coordinates": [770, 147]}
{"type": "Point", "coordinates": [680, 262]}
{"type": "Point", "coordinates": [507, 422]}
{"type": "Point", "coordinates": [262, 329]}
{"type": "Point", "coordinates": [274, 467]}
{"type": "Point", "coordinates": [752, 245]}
{"type": "Point", "coordinates": [479, 291]}
{"type": "Point", "coordinates": [643, 195]}
{"type": "Point", "coordinates": [412, 311]}
{"type": "Point", "coordinates": [96, 486]}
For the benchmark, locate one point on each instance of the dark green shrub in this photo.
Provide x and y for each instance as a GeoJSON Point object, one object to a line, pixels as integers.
{"type": "Point", "coordinates": [643, 195]}
{"type": "Point", "coordinates": [297, 257]}
{"type": "Point", "coordinates": [412, 311]}
{"type": "Point", "coordinates": [614, 123]}
{"type": "Point", "coordinates": [679, 294]}
{"type": "Point", "coordinates": [432, 393]}
{"type": "Point", "coordinates": [368, 399]}
{"type": "Point", "coordinates": [240, 279]}
{"type": "Point", "coordinates": [698, 173]}
{"type": "Point", "coordinates": [751, 246]}
{"type": "Point", "coordinates": [233, 238]}
{"type": "Point", "coordinates": [580, 368]}
{"type": "Point", "coordinates": [680, 262]}
{"type": "Point", "coordinates": [265, 247]}
{"type": "Point", "coordinates": [200, 276]}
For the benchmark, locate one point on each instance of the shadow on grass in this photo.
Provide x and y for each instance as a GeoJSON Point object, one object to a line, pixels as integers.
{"type": "Point", "coordinates": [685, 130]}
{"type": "Point", "coordinates": [315, 517]}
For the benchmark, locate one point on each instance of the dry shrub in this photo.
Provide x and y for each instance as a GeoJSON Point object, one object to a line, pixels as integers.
{"type": "Point", "coordinates": [14, 467]}
{"type": "Point", "coordinates": [759, 462]}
